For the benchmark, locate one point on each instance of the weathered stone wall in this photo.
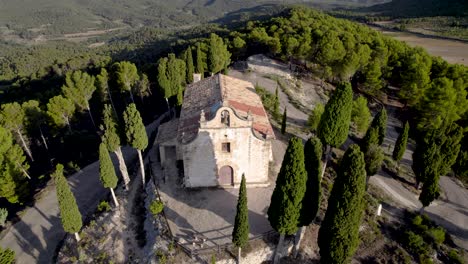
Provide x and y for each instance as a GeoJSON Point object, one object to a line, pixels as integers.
{"type": "Point", "coordinates": [203, 157]}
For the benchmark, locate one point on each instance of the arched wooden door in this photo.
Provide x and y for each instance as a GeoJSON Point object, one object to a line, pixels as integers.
{"type": "Point", "coordinates": [226, 175]}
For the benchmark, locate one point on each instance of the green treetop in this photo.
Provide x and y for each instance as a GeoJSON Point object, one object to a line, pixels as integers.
{"type": "Point", "coordinates": [106, 168]}
{"type": "Point", "coordinates": [163, 80]}
{"type": "Point", "coordinates": [200, 67]}
{"type": "Point", "coordinates": [361, 114]}
{"type": "Point", "coordinates": [134, 129]}
{"type": "Point", "coordinates": [400, 144]}
{"type": "Point", "coordinates": [190, 69]}
{"type": "Point", "coordinates": [371, 138]}
{"type": "Point", "coordinates": [240, 233]}
{"type": "Point", "coordinates": [334, 124]}
{"type": "Point", "coordinates": [314, 117]}
{"type": "Point", "coordinates": [79, 87]}
{"type": "Point", "coordinates": [313, 165]}
{"type": "Point", "coordinates": [61, 110]}
{"type": "Point", "coordinates": [218, 56]}
{"type": "Point", "coordinates": [338, 236]}
{"type": "Point", "coordinates": [142, 87]}
{"type": "Point", "coordinates": [126, 76]}
{"type": "Point", "coordinates": [102, 85]}
{"type": "Point", "coordinates": [69, 213]}
{"type": "Point", "coordinates": [380, 122]}
{"type": "Point", "coordinates": [110, 136]}
{"type": "Point", "coordinates": [287, 196]}
{"type": "Point", "coordinates": [7, 256]}
{"type": "Point", "coordinates": [13, 118]}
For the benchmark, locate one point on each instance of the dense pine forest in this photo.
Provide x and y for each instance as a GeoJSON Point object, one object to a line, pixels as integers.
{"type": "Point", "coordinates": [52, 98]}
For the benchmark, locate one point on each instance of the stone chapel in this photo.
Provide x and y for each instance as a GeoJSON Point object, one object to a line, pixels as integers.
{"type": "Point", "coordinates": [223, 132]}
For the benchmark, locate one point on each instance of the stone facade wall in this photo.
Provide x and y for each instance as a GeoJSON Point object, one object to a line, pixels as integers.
{"type": "Point", "coordinates": [204, 156]}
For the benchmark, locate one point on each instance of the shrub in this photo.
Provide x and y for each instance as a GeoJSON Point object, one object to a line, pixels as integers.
{"type": "Point", "coordinates": [437, 234]}
{"type": "Point", "coordinates": [161, 256]}
{"type": "Point", "coordinates": [156, 207]}
{"type": "Point", "coordinates": [3, 216]}
{"type": "Point", "coordinates": [416, 245]}
{"type": "Point", "coordinates": [454, 257]}
{"type": "Point", "coordinates": [417, 220]}
{"type": "Point", "coordinates": [103, 207]}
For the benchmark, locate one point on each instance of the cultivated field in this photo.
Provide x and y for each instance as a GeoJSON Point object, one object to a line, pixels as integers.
{"type": "Point", "coordinates": [451, 50]}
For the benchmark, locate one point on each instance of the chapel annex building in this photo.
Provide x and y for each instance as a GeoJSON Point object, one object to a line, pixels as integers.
{"type": "Point", "coordinates": [223, 132]}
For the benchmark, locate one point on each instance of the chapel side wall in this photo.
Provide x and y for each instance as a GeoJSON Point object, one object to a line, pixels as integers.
{"type": "Point", "coordinates": [199, 162]}
{"type": "Point", "coordinates": [259, 160]}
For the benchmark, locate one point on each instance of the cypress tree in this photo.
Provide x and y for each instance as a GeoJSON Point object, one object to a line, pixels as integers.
{"type": "Point", "coordinates": [450, 148]}
{"type": "Point", "coordinates": [240, 233]}
{"type": "Point", "coordinates": [371, 138]}
{"type": "Point", "coordinates": [338, 236]}
{"type": "Point", "coordinates": [106, 171]}
{"type": "Point", "coordinates": [380, 122]}
{"type": "Point", "coordinates": [218, 54]}
{"type": "Point", "coordinates": [111, 139]}
{"type": "Point", "coordinates": [334, 123]}
{"type": "Point", "coordinates": [276, 105]}
{"type": "Point", "coordinates": [283, 121]}
{"type": "Point", "coordinates": [136, 134]}
{"type": "Point", "coordinates": [311, 202]}
{"type": "Point", "coordinates": [374, 158]}
{"type": "Point", "coordinates": [200, 65]}
{"type": "Point", "coordinates": [425, 158]}
{"type": "Point", "coordinates": [189, 65]}
{"type": "Point", "coordinates": [285, 205]}
{"type": "Point", "coordinates": [400, 144]}
{"type": "Point", "coordinates": [69, 213]}
{"type": "Point", "coordinates": [430, 189]}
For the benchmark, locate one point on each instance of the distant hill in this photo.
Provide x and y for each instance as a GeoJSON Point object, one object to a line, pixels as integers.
{"type": "Point", "coordinates": [29, 19]}
{"type": "Point", "coordinates": [420, 8]}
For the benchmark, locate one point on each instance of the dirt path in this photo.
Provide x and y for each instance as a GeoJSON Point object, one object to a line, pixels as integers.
{"type": "Point", "coordinates": [451, 212]}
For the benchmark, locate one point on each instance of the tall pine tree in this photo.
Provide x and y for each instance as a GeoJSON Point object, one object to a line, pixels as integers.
{"type": "Point", "coordinates": [285, 205]}
{"type": "Point", "coordinates": [136, 134]}
{"type": "Point", "coordinates": [111, 138]}
{"type": "Point", "coordinates": [338, 236]}
{"type": "Point", "coordinates": [334, 123]}
{"type": "Point", "coordinates": [189, 65]}
{"type": "Point", "coordinates": [69, 213]}
{"type": "Point", "coordinates": [240, 233]}
{"type": "Point", "coordinates": [400, 144]}
{"type": "Point", "coordinates": [106, 171]}
{"type": "Point", "coordinates": [311, 202]}
{"type": "Point", "coordinates": [200, 62]}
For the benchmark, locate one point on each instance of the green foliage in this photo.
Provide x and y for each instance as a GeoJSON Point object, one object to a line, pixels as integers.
{"type": "Point", "coordinates": [443, 103]}
{"type": "Point", "coordinates": [61, 110]}
{"type": "Point", "coordinates": [313, 165]}
{"type": "Point", "coordinates": [13, 186]}
{"type": "Point", "coordinates": [134, 129]}
{"type": "Point", "coordinates": [171, 75]}
{"type": "Point", "coordinates": [451, 138]}
{"type": "Point", "coordinates": [287, 196]}
{"type": "Point", "coordinates": [437, 235]}
{"type": "Point", "coordinates": [240, 232]}
{"type": "Point", "coordinates": [373, 157]}
{"type": "Point", "coordinates": [142, 87]}
{"type": "Point", "coordinates": [416, 245]}
{"type": "Point", "coordinates": [218, 56]}
{"type": "Point", "coordinates": [430, 189]}
{"type": "Point", "coordinates": [103, 206]}
{"type": "Point", "coordinates": [69, 213]}
{"type": "Point", "coordinates": [334, 124]}
{"type": "Point", "coordinates": [400, 144]}
{"type": "Point", "coordinates": [106, 168]}
{"type": "Point", "coordinates": [283, 121]}
{"type": "Point", "coordinates": [79, 88]}
{"type": "Point", "coordinates": [361, 114]}
{"type": "Point", "coordinates": [371, 138]}
{"type": "Point", "coordinates": [314, 117]}
{"type": "Point", "coordinates": [268, 100]}
{"type": "Point", "coordinates": [201, 57]}
{"type": "Point", "coordinates": [461, 165]}
{"type": "Point", "coordinates": [190, 69]}
{"type": "Point", "coordinates": [102, 85]}
{"type": "Point", "coordinates": [7, 256]}
{"type": "Point", "coordinates": [338, 236]}
{"type": "Point", "coordinates": [156, 207]}
{"type": "Point", "coordinates": [125, 75]}
{"type": "Point", "coordinates": [380, 123]}
{"type": "Point", "coordinates": [455, 257]}
{"type": "Point", "coordinates": [3, 216]}
{"type": "Point", "coordinates": [110, 137]}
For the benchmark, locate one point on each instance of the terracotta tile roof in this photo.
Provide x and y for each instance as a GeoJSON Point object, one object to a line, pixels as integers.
{"type": "Point", "coordinates": [209, 95]}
